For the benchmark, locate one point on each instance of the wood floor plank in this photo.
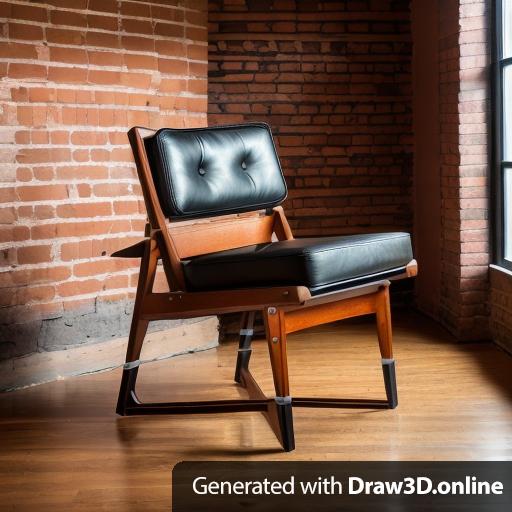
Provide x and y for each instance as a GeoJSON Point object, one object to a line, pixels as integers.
{"type": "Point", "coordinates": [63, 447]}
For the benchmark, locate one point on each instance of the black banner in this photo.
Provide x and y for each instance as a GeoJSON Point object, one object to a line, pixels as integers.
{"type": "Point", "coordinates": [342, 486]}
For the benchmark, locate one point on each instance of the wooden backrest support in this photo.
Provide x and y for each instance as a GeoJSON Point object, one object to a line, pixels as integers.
{"type": "Point", "coordinates": [187, 238]}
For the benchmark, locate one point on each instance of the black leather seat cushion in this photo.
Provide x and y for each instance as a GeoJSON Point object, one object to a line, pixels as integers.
{"type": "Point", "coordinates": [200, 172]}
{"type": "Point", "coordinates": [321, 264]}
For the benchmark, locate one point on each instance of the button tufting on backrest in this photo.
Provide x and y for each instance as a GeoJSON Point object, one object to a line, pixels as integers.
{"type": "Point", "coordinates": [179, 158]}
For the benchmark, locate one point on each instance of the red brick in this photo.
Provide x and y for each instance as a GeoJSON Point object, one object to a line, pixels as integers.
{"type": "Point", "coordinates": [169, 30]}
{"type": "Point", "coordinates": [73, 55]}
{"type": "Point", "coordinates": [84, 189]}
{"type": "Point", "coordinates": [70, 4]}
{"type": "Point", "coordinates": [140, 62]}
{"type": "Point", "coordinates": [196, 17]}
{"type": "Point", "coordinates": [196, 33]}
{"type": "Point", "coordinates": [111, 190]}
{"type": "Point", "coordinates": [103, 5]}
{"type": "Point", "coordinates": [59, 137]}
{"type": "Point", "coordinates": [76, 19]}
{"type": "Point", "coordinates": [168, 14]}
{"type": "Point", "coordinates": [34, 254]}
{"type": "Point", "coordinates": [103, 58]}
{"type": "Point", "coordinates": [7, 215]}
{"type": "Point", "coordinates": [115, 282]}
{"type": "Point", "coordinates": [197, 86]}
{"type": "Point", "coordinates": [29, 295]}
{"type": "Point", "coordinates": [27, 155]}
{"type": "Point", "coordinates": [84, 210]}
{"type": "Point", "coordinates": [65, 36]}
{"type": "Point", "coordinates": [71, 288]}
{"type": "Point", "coordinates": [102, 22]}
{"type": "Point", "coordinates": [136, 80]}
{"type": "Point", "coordinates": [168, 47]}
{"type": "Point", "coordinates": [27, 71]}
{"type": "Point", "coordinates": [104, 266]}
{"type": "Point", "coordinates": [13, 234]}
{"type": "Point", "coordinates": [29, 12]}
{"type": "Point", "coordinates": [137, 26]}
{"type": "Point", "coordinates": [138, 9]}
{"type": "Point", "coordinates": [28, 32]}
{"type": "Point", "coordinates": [103, 77]}
{"type": "Point", "coordinates": [18, 50]}
{"type": "Point", "coordinates": [43, 173]}
{"type": "Point", "coordinates": [102, 39]}
{"type": "Point", "coordinates": [173, 66]}
{"type": "Point", "coordinates": [40, 275]}
{"type": "Point", "coordinates": [67, 75]}
{"type": "Point", "coordinates": [42, 192]}
{"type": "Point", "coordinates": [137, 43]}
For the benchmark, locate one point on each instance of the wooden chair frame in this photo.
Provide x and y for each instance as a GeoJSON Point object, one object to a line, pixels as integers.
{"type": "Point", "coordinates": [285, 309]}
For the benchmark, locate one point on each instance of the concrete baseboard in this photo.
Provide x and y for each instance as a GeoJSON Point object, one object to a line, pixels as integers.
{"type": "Point", "coordinates": [41, 367]}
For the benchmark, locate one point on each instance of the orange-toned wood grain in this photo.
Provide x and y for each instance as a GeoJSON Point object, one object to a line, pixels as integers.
{"type": "Point", "coordinates": [305, 317]}
{"type": "Point", "coordinates": [276, 338]}
{"type": "Point", "coordinates": [193, 238]}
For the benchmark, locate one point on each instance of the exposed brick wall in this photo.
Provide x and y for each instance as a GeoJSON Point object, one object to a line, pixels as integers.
{"type": "Point", "coordinates": [501, 307]}
{"type": "Point", "coordinates": [464, 121]}
{"type": "Point", "coordinates": [333, 80]}
{"type": "Point", "coordinates": [76, 74]}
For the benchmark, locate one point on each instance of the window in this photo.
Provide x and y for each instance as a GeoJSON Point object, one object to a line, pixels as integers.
{"type": "Point", "coordinates": [503, 134]}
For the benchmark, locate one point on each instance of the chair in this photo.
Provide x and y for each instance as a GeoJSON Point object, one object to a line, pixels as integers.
{"type": "Point", "coordinates": [212, 197]}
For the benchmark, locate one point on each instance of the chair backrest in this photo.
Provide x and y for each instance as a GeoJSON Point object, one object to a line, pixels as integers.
{"type": "Point", "coordinates": [238, 192]}
{"type": "Point", "coordinates": [203, 172]}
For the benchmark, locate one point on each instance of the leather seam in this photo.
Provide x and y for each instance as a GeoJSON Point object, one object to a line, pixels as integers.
{"type": "Point", "coordinates": [167, 174]}
{"type": "Point", "coordinates": [245, 260]}
{"type": "Point", "coordinates": [308, 253]}
{"type": "Point", "coordinates": [245, 156]}
{"type": "Point", "coordinates": [261, 125]}
{"type": "Point", "coordinates": [380, 274]}
{"type": "Point", "coordinates": [200, 142]}
{"type": "Point", "coordinates": [242, 141]}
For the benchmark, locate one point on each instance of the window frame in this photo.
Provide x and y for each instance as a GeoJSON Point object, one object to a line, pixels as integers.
{"type": "Point", "coordinates": [498, 163]}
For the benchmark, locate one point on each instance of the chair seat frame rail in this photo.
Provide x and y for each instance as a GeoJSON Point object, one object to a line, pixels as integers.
{"type": "Point", "coordinates": [285, 309]}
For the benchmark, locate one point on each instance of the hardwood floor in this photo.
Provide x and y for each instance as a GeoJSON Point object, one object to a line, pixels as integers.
{"type": "Point", "coordinates": [63, 448]}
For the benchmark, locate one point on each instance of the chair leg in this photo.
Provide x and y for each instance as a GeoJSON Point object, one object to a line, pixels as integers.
{"type": "Point", "coordinates": [244, 345]}
{"type": "Point", "coordinates": [385, 344]}
{"type": "Point", "coordinates": [388, 369]}
{"type": "Point", "coordinates": [276, 338]}
{"type": "Point", "coordinates": [138, 330]}
{"type": "Point", "coordinates": [127, 394]}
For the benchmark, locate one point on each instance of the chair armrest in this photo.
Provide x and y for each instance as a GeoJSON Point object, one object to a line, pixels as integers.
{"type": "Point", "coordinates": [412, 268]}
{"type": "Point", "coordinates": [133, 251]}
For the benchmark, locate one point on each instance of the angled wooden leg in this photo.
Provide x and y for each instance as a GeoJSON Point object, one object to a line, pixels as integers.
{"type": "Point", "coordinates": [383, 312]}
{"type": "Point", "coordinates": [138, 329]}
{"type": "Point", "coordinates": [244, 345]}
{"type": "Point", "coordinates": [282, 407]}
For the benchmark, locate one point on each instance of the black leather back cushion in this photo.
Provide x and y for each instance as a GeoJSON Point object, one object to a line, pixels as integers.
{"type": "Point", "coordinates": [212, 171]}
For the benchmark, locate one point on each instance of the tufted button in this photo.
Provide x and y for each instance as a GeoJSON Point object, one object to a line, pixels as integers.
{"type": "Point", "coordinates": [244, 165]}
{"type": "Point", "coordinates": [201, 171]}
